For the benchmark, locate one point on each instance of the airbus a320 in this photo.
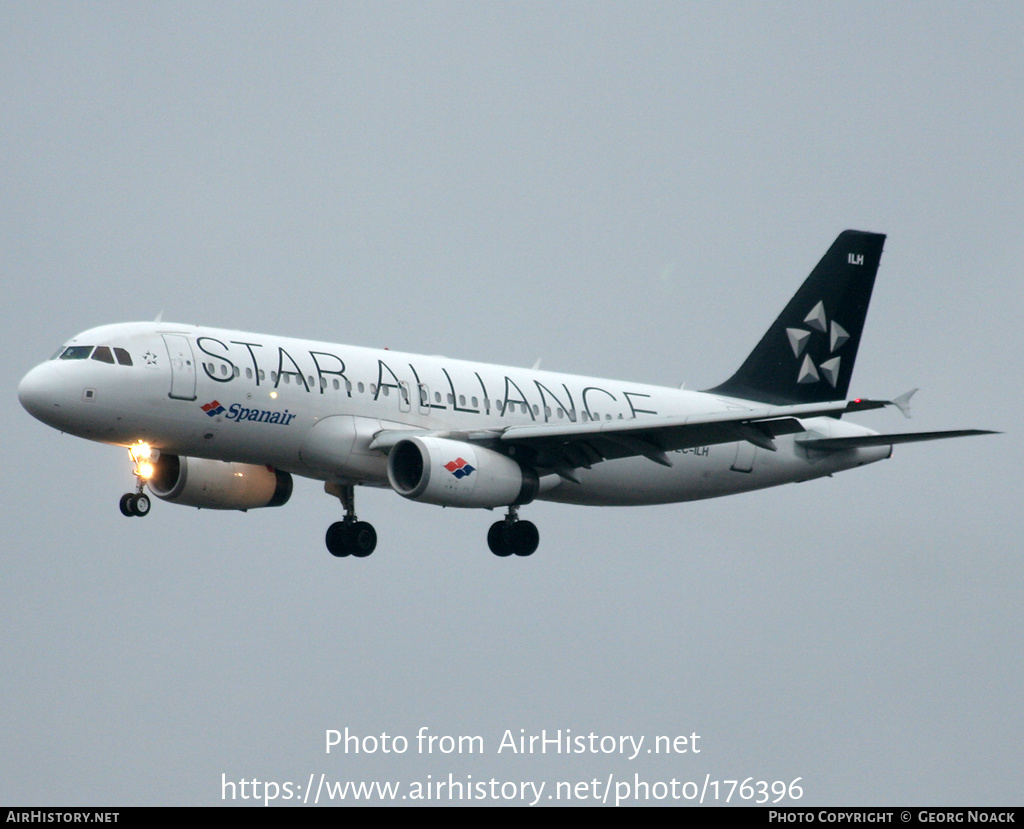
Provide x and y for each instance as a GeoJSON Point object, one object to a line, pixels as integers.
{"type": "Point", "coordinates": [222, 419]}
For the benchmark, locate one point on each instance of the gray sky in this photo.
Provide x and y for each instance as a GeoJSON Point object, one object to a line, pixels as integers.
{"type": "Point", "coordinates": [625, 190]}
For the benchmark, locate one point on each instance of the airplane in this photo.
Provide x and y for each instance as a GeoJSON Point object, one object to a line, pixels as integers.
{"type": "Point", "coordinates": [221, 419]}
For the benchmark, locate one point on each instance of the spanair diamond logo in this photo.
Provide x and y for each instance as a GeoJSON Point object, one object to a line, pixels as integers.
{"type": "Point", "coordinates": [459, 468]}
{"type": "Point", "coordinates": [213, 408]}
{"type": "Point", "coordinates": [799, 338]}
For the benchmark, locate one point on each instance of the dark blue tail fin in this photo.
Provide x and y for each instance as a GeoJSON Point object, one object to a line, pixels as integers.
{"type": "Point", "coordinates": [807, 356]}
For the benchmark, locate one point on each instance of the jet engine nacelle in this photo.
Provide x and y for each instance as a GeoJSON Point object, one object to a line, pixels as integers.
{"type": "Point", "coordinates": [450, 473]}
{"type": "Point", "coordinates": [197, 482]}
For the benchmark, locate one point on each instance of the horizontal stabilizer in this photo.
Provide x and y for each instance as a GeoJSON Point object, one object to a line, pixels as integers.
{"type": "Point", "coordinates": [835, 444]}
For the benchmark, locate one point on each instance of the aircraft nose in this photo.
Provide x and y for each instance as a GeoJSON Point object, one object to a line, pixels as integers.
{"type": "Point", "coordinates": [41, 392]}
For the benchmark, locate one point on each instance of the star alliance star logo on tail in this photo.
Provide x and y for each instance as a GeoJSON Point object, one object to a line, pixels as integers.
{"type": "Point", "coordinates": [213, 408]}
{"type": "Point", "coordinates": [799, 337]}
{"type": "Point", "coordinates": [459, 468]}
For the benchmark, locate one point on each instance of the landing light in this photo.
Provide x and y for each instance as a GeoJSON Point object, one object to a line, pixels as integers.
{"type": "Point", "coordinates": [273, 395]}
{"type": "Point", "coordinates": [142, 456]}
{"type": "Point", "coordinates": [141, 451]}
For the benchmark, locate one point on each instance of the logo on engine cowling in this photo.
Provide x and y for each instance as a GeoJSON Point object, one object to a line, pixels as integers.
{"type": "Point", "coordinates": [459, 468]}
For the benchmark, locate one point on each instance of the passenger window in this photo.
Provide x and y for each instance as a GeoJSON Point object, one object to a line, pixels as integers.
{"type": "Point", "coordinates": [102, 353]}
{"type": "Point", "coordinates": [123, 357]}
{"type": "Point", "coordinates": [77, 352]}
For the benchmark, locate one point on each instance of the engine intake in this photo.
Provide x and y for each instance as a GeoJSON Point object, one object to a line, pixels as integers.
{"type": "Point", "coordinates": [197, 482]}
{"type": "Point", "coordinates": [451, 473]}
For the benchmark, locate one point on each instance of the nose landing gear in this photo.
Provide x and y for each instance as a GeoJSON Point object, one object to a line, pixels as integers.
{"type": "Point", "coordinates": [513, 536]}
{"type": "Point", "coordinates": [136, 504]}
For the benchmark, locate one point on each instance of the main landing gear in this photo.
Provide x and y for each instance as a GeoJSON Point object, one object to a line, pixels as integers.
{"type": "Point", "coordinates": [136, 504]}
{"type": "Point", "coordinates": [349, 537]}
{"type": "Point", "coordinates": [513, 536]}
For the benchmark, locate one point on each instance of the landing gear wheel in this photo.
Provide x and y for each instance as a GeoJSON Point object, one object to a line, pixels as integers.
{"type": "Point", "coordinates": [337, 539]}
{"type": "Point", "coordinates": [350, 537]}
{"type": "Point", "coordinates": [513, 536]}
{"type": "Point", "coordinates": [497, 539]}
{"type": "Point", "coordinates": [362, 539]}
{"type": "Point", "coordinates": [134, 504]}
{"type": "Point", "coordinates": [523, 538]}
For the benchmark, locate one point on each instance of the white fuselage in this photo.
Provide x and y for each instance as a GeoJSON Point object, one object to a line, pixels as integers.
{"type": "Point", "coordinates": [312, 409]}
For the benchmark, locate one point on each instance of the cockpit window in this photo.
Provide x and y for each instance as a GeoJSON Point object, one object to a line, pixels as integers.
{"type": "Point", "coordinates": [77, 352]}
{"type": "Point", "coordinates": [102, 353]}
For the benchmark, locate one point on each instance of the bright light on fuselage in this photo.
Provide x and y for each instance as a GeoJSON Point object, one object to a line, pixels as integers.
{"type": "Point", "coordinates": [141, 451]}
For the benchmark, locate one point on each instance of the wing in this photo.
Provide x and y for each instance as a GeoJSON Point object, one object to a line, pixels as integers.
{"type": "Point", "coordinates": [565, 447]}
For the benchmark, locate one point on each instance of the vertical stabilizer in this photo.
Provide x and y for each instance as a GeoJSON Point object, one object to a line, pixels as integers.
{"type": "Point", "coordinates": [807, 355]}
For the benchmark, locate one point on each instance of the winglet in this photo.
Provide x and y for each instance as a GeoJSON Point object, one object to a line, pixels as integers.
{"type": "Point", "coordinates": [903, 402]}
